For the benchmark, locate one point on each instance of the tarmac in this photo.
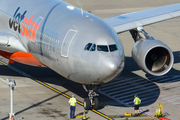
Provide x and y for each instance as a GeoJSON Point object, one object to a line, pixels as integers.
{"type": "Point", "coordinates": [42, 94]}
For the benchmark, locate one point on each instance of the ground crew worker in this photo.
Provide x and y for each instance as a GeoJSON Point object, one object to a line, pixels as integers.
{"type": "Point", "coordinates": [137, 101]}
{"type": "Point", "coordinates": [158, 111]}
{"type": "Point", "coordinates": [72, 105]}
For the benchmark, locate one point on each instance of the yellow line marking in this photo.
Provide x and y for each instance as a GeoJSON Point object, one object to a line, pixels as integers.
{"type": "Point", "coordinates": [70, 97]}
{"type": "Point", "coordinates": [79, 116]}
{"type": "Point", "coordinates": [105, 116]}
{"type": "Point", "coordinates": [4, 63]}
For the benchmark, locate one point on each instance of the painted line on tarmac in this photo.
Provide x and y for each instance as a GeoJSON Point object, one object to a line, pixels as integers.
{"type": "Point", "coordinates": [51, 88]}
{"type": "Point", "coordinates": [124, 103]}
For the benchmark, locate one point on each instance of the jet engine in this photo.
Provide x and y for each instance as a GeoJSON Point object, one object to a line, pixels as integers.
{"type": "Point", "coordinates": [153, 56]}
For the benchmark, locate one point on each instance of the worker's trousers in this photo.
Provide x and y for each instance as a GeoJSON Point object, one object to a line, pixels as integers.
{"type": "Point", "coordinates": [72, 111]}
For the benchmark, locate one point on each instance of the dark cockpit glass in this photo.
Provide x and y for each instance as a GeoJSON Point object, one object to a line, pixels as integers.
{"type": "Point", "coordinates": [103, 48]}
{"type": "Point", "coordinates": [88, 46]}
{"type": "Point", "coordinates": [93, 48]}
{"type": "Point", "coordinates": [113, 48]}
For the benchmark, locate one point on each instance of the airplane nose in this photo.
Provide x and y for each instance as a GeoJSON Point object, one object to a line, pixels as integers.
{"type": "Point", "coordinates": [110, 66]}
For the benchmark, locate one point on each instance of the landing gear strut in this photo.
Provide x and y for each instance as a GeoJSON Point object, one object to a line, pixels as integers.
{"type": "Point", "coordinates": [92, 101]}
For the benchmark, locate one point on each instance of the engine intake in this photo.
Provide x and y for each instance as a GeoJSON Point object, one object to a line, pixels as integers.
{"type": "Point", "coordinates": [153, 56]}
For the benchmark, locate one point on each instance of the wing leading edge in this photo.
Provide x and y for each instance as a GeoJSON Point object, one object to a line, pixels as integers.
{"type": "Point", "coordinates": [10, 43]}
{"type": "Point", "coordinates": [12, 49]}
{"type": "Point", "coordinates": [138, 19]}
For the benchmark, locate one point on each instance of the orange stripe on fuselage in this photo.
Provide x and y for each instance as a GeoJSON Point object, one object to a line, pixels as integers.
{"type": "Point", "coordinates": [21, 57]}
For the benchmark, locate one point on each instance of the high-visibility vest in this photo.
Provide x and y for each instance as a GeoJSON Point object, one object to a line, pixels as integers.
{"type": "Point", "coordinates": [72, 102]}
{"type": "Point", "coordinates": [137, 101]}
{"type": "Point", "coordinates": [158, 111]}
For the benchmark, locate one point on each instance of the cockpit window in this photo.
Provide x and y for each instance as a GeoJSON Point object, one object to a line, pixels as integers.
{"type": "Point", "coordinates": [113, 48]}
{"type": "Point", "coordinates": [103, 48]}
{"type": "Point", "coordinates": [93, 48]}
{"type": "Point", "coordinates": [88, 46]}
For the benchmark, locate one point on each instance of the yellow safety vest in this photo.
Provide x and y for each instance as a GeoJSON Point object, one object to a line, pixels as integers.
{"type": "Point", "coordinates": [72, 102]}
{"type": "Point", "coordinates": [137, 101]}
{"type": "Point", "coordinates": [158, 111]}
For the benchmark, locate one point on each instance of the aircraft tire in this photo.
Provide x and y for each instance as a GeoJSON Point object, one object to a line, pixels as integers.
{"type": "Point", "coordinates": [87, 104]}
{"type": "Point", "coordinates": [96, 103]}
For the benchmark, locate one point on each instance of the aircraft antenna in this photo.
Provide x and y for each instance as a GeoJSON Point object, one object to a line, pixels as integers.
{"type": "Point", "coordinates": [80, 5]}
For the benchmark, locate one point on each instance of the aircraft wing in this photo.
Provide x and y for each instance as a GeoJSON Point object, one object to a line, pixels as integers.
{"type": "Point", "coordinates": [138, 19]}
{"type": "Point", "coordinates": [10, 43]}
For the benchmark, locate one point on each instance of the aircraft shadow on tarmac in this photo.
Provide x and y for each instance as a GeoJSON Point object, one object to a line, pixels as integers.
{"type": "Point", "coordinates": [121, 89]}
{"type": "Point", "coordinates": [128, 84]}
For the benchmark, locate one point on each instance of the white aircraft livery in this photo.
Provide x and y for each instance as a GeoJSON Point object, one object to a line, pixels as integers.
{"type": "Point", "coordinates": [78, 45]}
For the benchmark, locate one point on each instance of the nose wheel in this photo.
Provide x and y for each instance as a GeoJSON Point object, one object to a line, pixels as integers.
{"type": "Point", "coordinates": [95, 103]}
{"type": "Point", "coordinates": [87, 104]}
{"type": "Point", "coordinates": [92, 101]}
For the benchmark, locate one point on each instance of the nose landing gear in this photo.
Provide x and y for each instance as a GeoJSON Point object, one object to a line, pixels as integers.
{"type": "Point", "coordinates": [92, 101]}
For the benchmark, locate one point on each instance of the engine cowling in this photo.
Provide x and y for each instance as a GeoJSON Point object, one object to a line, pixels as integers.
{"type": "Point", "coordinates": [153, 56]}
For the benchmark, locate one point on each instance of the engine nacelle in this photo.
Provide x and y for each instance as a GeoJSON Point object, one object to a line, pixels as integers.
{"type": "Point", "coordinates": [153, 56]}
